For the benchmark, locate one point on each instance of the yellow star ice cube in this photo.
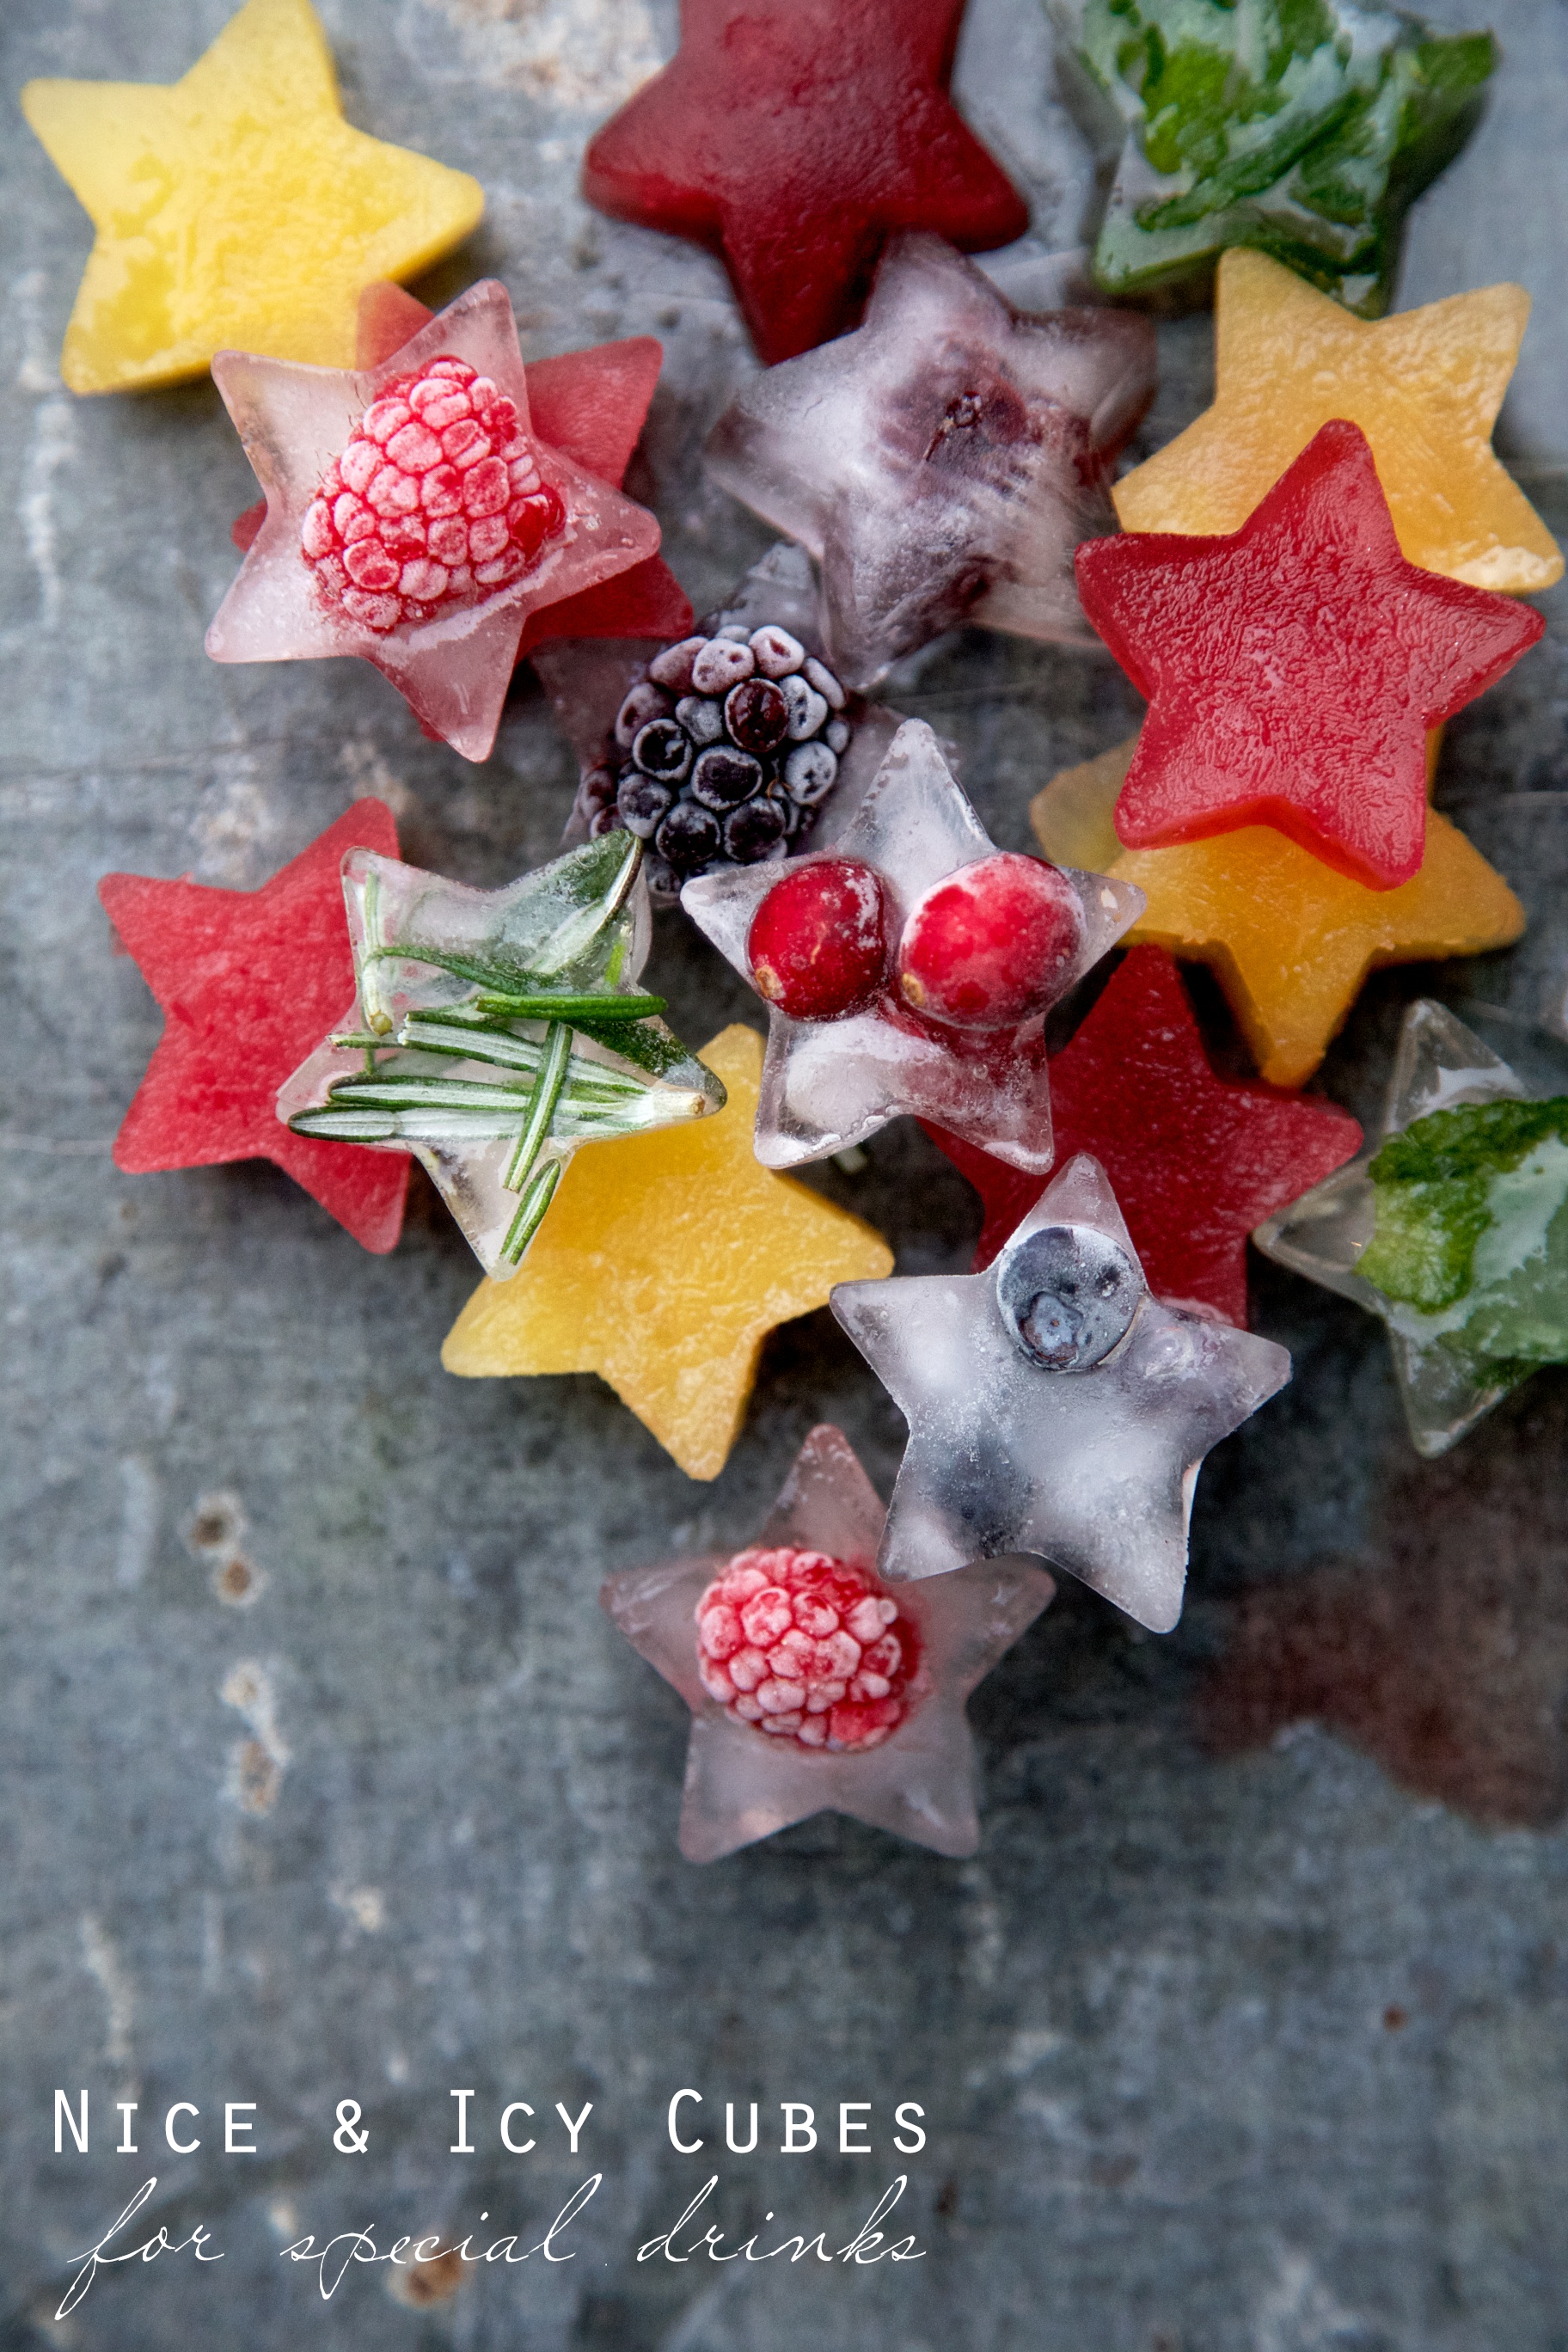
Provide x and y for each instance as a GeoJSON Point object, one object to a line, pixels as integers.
{"type": "Point", "coordinates": [664, 1265]}
{"type": "Point", "coordinates": [1425, 387]}
{"type": "Point", "coordinates": [1290, 939]}
{"type": "Point", "coordinates": [235, 208]}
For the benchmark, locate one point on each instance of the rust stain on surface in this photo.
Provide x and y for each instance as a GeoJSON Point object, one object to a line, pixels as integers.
{"type": "Point", "coordinates": [1443, 1651]}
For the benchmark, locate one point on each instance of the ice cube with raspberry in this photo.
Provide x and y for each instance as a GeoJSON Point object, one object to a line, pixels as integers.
{"type": "Point", "coordinates": [724, 751]}
{"type": "Point", "coordinates": [813, 1684]}
{"type": "Point", "coordinates": [907, 964]}
{"type": "Point", "coordinates": [808, 1648]}
{"type": "Point", "coordinates": [413, 517]}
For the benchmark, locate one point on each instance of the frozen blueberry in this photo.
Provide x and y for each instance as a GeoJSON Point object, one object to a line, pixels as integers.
{"type": "Point", "coordinates": [721, 665]}
{"type": "Point", "coordinates": [1067, 1294]}
{"type": "Point", "coordinates": [662, 748]}
{"type": "Point", "coordinates": [808, 709]}
{"type": "Point", "coordinates": [722, 779]}
{"type": "Point", "coordinates": [643, 800]}
{"type": "Point", "coordinates": [643, 702]}
{"type": "Point", "coordinates": [809, 773]}
{"type": "Point", "coordinates": [836, 735]}
{"type": "Point", "coordinates": [756, 831]}
{"type": "Point", "coordinates": [778, 653]}
{"type": "Point", "coordinates": [819, 675]}
{"type": "Point", "coordinates": [687, 838]}
{"type": "Point", "coordinates": [605, 820]}
{"type": "Point", "coordinates": [703, 718]}
{"type": "Point", "coordinates": [756, 715]}
{"type": "Point", "coordinates": [672, 668]}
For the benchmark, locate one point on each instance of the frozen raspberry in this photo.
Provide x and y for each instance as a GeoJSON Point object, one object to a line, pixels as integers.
{"type": "Point", "coordinates": [991, 945]}
{"type": "Point", "coordinates": [819, 944]}
{"type": "Point", "coordinates": [809, 1649]}
{"type": "Point", "coordinates": [435, 503]}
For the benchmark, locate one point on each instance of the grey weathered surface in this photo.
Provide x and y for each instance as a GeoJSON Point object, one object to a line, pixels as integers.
{"type": "Point", "coordinates": [1235, 2037]}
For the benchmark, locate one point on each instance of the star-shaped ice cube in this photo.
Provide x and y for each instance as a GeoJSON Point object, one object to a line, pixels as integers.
{"type": "Point", "coordinates": [248, 980]}
{"type": "Point", "coordinates": [413, 519]}
{"type": "Point", "coordinates": [831, 1081]}
{"type": "Point", "coordinates": [236, 206]}
{"type": "Point", "coordinates": [916, 1780]}
{"type": "Point", "coordinates": [495, 1032]}
{"type": "Point", "coordinates": [1466, 1229]}
{"type": "Point", "coordinates": [943, 461]}
{"type": "Point", "coordinates": [1054, 1405]}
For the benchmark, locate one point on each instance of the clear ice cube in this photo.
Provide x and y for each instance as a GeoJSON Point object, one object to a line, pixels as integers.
{"type": "Point", "coordinates": [943, 461]}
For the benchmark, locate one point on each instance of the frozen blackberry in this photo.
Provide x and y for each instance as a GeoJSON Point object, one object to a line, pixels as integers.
{"type": "Point", "coordinates": [644, 802]}
{"type": "Point", "coordinates": [721, 778]}
{"type": "Point", "coordinates": [688, 837]}
{"type": "Point", "coordinates": [724, 754]}
{"type": "Point", "coordinates": [756, 830]}
{"type": "Point", "coordinates": [756, 715]}
{"type": "Point", "coordinates": [605, 820]}
{"type": "Point", "coordinates": [662, 748]}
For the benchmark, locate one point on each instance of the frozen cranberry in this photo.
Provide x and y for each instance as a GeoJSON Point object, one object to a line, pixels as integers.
{"type": "Point", "coordinates": [818, 945]}
{"type": "Point", "coordinates": [991, 945]}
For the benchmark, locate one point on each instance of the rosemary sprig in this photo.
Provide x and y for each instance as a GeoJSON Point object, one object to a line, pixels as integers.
{"type": "Point", "coordinates": [555, 968]}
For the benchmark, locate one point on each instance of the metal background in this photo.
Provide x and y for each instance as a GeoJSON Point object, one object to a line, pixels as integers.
{"type": "Point", "coordinates": [1244, 2031]}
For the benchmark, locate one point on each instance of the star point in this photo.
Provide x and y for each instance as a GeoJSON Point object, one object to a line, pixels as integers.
{"type": "Point", "coordinates": [792, 137]}
{"type": "Point", "coordinates": [665, 1272]}
{"type": "Point", "coordinates": [248, 154]}
{"type": "Point", "coordinates": [1055, 1407]}
{"type": "Point", "coordinates": [1463, 1253]}
{"type": "Point", "coordinates": [249, 980]}
{"type": "Point", "coordinates": [1424, 385]}
{"type": "Point", "coordinates": [919, 1782]}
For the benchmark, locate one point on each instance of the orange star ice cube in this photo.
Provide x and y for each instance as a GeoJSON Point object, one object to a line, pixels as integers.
{"type": "Point", "coordinates": [664, 1265]}
{"type": "Point", "coordinates": [236, 207]}
{"type": "Point", "coordinates": [1425, 387]}
{"type": "Point", "coordinates": [1290, 939]}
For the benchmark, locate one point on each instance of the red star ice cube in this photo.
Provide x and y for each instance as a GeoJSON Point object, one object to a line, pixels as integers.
{"type": "Point", "coordinates": [792, 137]}
{"type": "Point", "coordinates": [248, 982]}
{"type": "Point", "coordinates": [416, 519]}
{"type": "Point", "coordinates": [1294, 668]}
{"type": "Point", "coordinates": [1196, 1161]}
